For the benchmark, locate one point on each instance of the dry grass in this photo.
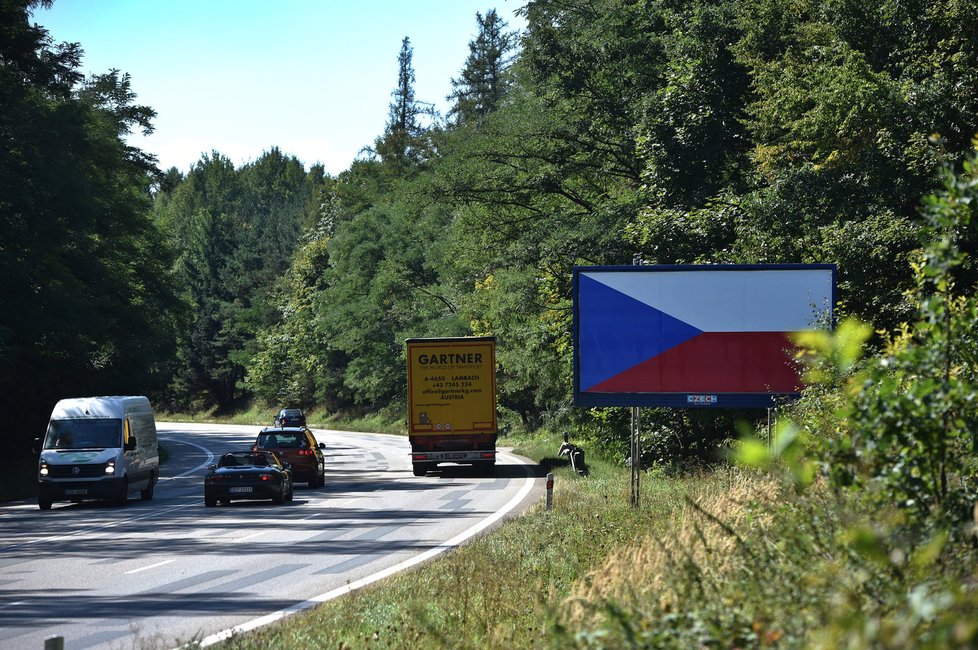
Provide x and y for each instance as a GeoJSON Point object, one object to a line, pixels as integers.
{"type": "Point", "coordinates": [703, 537]}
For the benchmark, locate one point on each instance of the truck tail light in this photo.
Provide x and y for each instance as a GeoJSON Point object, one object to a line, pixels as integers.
{"type": "Point", "coordinates": [487, 454]}
{"type": "Point", "coordinates": [419, 457]}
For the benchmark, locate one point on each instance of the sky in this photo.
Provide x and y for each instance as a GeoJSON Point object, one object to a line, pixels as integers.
{"type": "Point", "coordinates": [312, 77]}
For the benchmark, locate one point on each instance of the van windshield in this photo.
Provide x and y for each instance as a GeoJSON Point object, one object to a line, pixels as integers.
{"type": "Point", "coordinates": [94, 433]}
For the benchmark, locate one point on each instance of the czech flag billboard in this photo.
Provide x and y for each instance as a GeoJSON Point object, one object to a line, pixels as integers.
{"type": "Point", "coordinates": [690, 336]}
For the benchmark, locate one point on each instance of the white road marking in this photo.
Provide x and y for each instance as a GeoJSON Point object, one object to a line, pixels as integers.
{"type": "Point", "coordinates": [209, 461]}
{"type": "Point", "coordinates": [241, 539]}
{"type": "Point", "coordinates": [223, 635]}
{"type": "Point", "coordinates": [151, 566]}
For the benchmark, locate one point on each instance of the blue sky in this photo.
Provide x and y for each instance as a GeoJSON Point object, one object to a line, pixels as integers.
{"type": "Point", "coordinates": [312, 77]}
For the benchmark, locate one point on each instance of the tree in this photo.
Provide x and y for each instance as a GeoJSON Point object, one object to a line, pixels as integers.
{"type": "Point", "coordinates": [89, 305]}
{"type": "Point", "coordinates": [403, 144]}
{"type": "Point", "coordinates": [482, 85]}
{"type": "Point", "coordinates": [237, 231]}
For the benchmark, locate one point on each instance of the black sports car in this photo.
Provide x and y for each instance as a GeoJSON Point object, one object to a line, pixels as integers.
{"type": "Point", "coordinates": [248, 475]}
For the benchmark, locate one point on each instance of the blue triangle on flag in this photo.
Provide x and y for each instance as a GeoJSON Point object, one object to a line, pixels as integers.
{"type": "Point", "coordinates": [617, 332]}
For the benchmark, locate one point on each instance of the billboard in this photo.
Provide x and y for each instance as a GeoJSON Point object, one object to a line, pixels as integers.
{"type": "Point", "coordinates": [451, 385]}
{"type": "Point", "coordinates": [694, 336]}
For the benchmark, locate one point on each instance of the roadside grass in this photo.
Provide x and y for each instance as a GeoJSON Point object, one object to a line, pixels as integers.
{"type": "Point", "coordinates": [263, 416]}
{"type": "Point", "coordinates": [375, 423]}
{"type": "Point", "coordinates": [256, 415]}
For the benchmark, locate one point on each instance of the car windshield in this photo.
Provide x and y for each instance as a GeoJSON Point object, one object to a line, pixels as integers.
{"type": "Point", "coordinates": [245, 459]}
{"type": "Point", "coordinates": [87, 433]}
{"type": "Point", "coordinates": [282, 440]}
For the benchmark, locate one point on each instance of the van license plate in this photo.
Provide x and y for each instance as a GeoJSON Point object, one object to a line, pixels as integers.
{"type": "Point", "coordinates": [77, 491]}
{"type": "Point", "coordinates": [239, 490]}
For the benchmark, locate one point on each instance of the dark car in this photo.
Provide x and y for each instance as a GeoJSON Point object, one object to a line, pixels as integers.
{"type": "Point", "coordinates": [297, 447]}
{"type": "Point", "coordinates": [290, 418]}
{"type": "Point", "coordinates": [248, 475]}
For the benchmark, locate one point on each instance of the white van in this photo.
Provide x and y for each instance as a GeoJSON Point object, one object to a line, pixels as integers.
{"type": "Point", "coordinates": [98, 448]}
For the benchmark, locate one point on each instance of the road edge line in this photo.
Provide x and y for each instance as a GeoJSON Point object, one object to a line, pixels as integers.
{"type": "Point", "coordinates": [452, 543]}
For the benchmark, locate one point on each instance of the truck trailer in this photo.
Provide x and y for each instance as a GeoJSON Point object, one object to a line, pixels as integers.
{"type": "Point", "coordinates": [452, 402]}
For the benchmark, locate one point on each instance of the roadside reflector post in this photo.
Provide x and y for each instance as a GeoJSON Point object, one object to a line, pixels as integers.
{"type": "Point", "coordinates": [550, 491]}
{"type": "Point", "coordinates": [54, 643]}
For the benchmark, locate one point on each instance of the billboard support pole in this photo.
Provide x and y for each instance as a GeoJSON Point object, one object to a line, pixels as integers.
{"type": "Point", "coordinates": [636, 459]}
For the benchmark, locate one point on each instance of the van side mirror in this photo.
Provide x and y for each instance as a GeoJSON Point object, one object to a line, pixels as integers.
{"type": "Point", "coordinates": [36, 447]}
{"type": "Point", "coordinates": [131, 444]}
{"type": "Point", "coordinates": [322, 445]}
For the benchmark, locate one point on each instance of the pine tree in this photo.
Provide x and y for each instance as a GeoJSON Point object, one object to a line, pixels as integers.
{"type": "Point", "coordinates": [403, 139]}
{"type": "Point", "coordinates": [482, 84]}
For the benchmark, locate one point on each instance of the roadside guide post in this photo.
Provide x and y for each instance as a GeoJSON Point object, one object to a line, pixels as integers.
{"type": "Point", "coordinates": [54, 643]}
{"type": "Point", "coordinates": [550, 491]}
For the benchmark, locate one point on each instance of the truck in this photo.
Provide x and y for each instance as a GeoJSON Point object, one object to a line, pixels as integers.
{"type": "Point", "coordinates": [452, 402]}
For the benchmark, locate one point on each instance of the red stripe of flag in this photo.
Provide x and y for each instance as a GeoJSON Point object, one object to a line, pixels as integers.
{"type": "Point", "coordinates": [714, 362]}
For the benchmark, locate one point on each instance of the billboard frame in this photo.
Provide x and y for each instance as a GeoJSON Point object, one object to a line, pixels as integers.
{"type": "Point", "coordinates": [698, 399]}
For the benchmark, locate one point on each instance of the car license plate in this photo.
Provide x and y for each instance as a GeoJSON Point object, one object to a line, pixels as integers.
{"type": "Point", "coordinates": [239, 490]}
{"type": "Point", "coordinates": [77, 491]}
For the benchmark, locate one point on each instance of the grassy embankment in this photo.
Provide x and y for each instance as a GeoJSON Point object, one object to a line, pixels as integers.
{"type": "Point", "coordinates": [262, 417]}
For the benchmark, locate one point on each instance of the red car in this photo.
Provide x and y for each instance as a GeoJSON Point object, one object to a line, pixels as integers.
{"type": "Point", "coordinates": [297, 447]}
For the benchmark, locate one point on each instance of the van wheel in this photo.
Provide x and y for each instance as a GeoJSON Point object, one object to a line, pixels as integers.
{"type": "Point", "coordinates": [43, 504]}
{"type": "Point", "coordinates": [210, 501]}
{"type": "Point", "coordinates": [147, 494]}
{"type": "Point", "coordinates": [123, 496]}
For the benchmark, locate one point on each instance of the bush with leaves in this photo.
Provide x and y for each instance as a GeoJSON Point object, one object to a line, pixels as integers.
{"type": "Point", "coordinates": [913, 417]}
{"type": "Point", "coordinates": [896, 438]}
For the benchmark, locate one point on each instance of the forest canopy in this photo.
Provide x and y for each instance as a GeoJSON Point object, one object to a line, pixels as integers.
{"type": "Point", "coordinates": [725, 131]}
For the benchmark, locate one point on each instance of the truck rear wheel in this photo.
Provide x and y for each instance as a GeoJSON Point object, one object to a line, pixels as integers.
{"type": "Point", "coordinates": [420, 469]}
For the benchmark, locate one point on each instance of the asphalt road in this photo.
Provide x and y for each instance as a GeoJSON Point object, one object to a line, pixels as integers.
{"type": "Point", "coordinates": [159, 573]}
